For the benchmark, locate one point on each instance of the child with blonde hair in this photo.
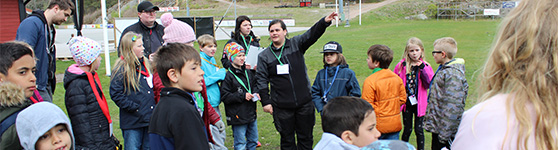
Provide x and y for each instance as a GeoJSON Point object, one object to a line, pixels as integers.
{"type": "Point", "coordinates": [131, 89]}
{"type": "Point", "coordinates": [447, 94]}
{"type": "Point", "coordinates": [416, 74]}
{"type": "Point", "coordinates": [518, 107]}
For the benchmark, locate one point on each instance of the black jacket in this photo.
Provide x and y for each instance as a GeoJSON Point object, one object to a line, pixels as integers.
{"type": "Point", "coordinates": [288, 90]}
{"type": "Point", "coordinates": [239, 111]}
{"type": "Point", "coordinates": [91, 127]}
{"type": "Point", "coordinates": [146, 32]}
{"type": "Point", "coordinates": [135, 107]}
{"type": "Point", "coordinates": [176, 123]}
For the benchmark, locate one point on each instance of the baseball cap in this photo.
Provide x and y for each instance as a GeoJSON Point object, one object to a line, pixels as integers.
{"type": "Point", "coordinates": [146, 6]}
{"type": "Point", "coordinates": [332, 46]}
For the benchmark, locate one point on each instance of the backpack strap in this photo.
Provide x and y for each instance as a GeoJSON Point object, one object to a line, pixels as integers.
{"type": "Point", "coordinates": [9, 121]}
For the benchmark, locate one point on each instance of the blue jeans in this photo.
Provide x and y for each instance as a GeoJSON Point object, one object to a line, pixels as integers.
{"type": "Point", "coordinates": [245, 136]}
{"type": "Point", "coordinates": [390, 136]}
{"type": "Point", "coordinates": [136, 139]}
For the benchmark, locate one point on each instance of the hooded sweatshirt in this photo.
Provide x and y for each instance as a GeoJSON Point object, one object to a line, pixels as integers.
{"type": "Point", "coordinates": [34, 121]}
{"type": "Point", "coordinates": [446, 99]}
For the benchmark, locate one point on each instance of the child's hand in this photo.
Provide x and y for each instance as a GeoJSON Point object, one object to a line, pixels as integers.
{"type": "Point", "coordinates": [249, 96]}
{"type": "Point", "coordinates": [248, 66]}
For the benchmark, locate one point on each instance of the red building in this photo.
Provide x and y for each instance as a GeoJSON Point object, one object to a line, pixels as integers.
{"type": "Point", "coordinates": [11, 14]}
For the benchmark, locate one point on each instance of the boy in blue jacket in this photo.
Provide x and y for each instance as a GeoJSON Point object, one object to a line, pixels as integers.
{"type": "Point", "coordinates": [181, 74]}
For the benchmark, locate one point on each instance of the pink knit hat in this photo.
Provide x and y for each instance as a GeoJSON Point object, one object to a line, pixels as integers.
{"type": "Point", "coordinates": [176, 31]}
{"type": "Point", "coordinates": [84, 50]}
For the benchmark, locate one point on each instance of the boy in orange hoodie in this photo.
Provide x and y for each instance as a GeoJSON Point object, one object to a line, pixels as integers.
{"type": "Point", "coordinates": [385, 91]}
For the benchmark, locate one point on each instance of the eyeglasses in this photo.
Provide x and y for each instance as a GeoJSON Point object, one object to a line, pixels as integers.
{"type": "Point", "coordinates": [434, 52]}
{"type": "Point", "coordinates": [149, 12]}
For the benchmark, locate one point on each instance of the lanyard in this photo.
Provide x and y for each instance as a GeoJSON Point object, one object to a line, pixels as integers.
{"type": "Point", "coordinates": [210, 62]}
{"type": "Point", "coordinates": [145, 73]}
{"type": "Point", "coordinates": [249, 89]}
{"type": "Point", "coordinates": [247, 45]}
{"type": "Point", "coordinates": [280, 54]}
{"type": "Point", "coordinates": [332, 80]}
{"type": "Point", "coordinates": [101, 100]}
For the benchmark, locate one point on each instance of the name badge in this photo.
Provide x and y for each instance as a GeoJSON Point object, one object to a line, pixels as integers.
{"type": "Point", "coordinates": [283, 69]}
{"type": "Point", "coordinates": [149, 80]}
{"type": "Point", "coordinates": [413, 100]}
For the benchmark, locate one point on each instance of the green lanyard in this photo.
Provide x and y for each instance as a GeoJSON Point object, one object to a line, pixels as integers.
{"type": "Point", "coordinates": [249, 89]}
{"type": "Point", "coordinates": [280, 54]}
{"type": "Point", "coordinates": [247, 45]}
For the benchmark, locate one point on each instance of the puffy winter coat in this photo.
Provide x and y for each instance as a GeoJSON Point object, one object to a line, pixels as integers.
{"type": "Point", "coordinates": [385, 91]}
{"type": "Point", "coordinates": [238, 110]}
{"type": "Point", "coordinates": [9, 106]}
{"type": "Point", "coordinates": [345, 84]}
{"type": "Point", "coordinates": [91, 127]}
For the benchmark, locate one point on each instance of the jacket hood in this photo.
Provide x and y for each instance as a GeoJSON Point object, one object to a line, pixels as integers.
{"type": "Point", "coordinates": [11, 95]}
{"type": "Point", "coordinates": [40, 14]}
{"type": "Point", "coordinates": [36, 120]}
{"type": "Point", "coordinates": [73, 72]}
{"type": "Point", "coordinates": [457, 63]}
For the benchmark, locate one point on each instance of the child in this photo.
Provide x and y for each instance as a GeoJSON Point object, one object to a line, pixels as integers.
{"type": "Point", "coordinates": [348, 123]}
{"type": "Point", "coordinates": [131, 90]}
{"type": "Point", "coordinates": [17, 66]}
{"type": "Point", "coordinates": [237, 92]}
{"type": "Point", "coordinates": [416, 74]}
{"type": "Point", "coordinates": [44, 126]}
{"type": "Point", "coordinates": [447, 95]}
{"type": "Point", "coordinates": [336, 79]}
{"type": "Point", "coordinates": [213, 73]}
{"type": "Point", "coordinates": [242, 35]}
{"type": "Point", "coordinates": [385, 91]}
{"type": "Point", "coordinates": [85, 101]}
{"type": "Point", "coordinates": [177, 31]}
{"type": "Point", "coordinates": [517, 98]}
{"type": "Point", "coordinates": [181, 74]}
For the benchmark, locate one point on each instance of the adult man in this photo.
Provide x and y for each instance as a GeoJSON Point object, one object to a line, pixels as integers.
{"type": "Point", "coordinates": [282, 66]}
{"type": "Point", "coordinates": [38, 31]}
{"type": "Point", "coordinates": [151, 31]}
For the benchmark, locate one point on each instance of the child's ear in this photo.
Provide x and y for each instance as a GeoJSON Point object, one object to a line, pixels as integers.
{"type": "Point", "coordinates": [173, 75]}
{"type": "Point", "coordinates": [348, 136]}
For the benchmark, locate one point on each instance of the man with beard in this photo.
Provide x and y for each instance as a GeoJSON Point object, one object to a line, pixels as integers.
{"type": "Point", "coordinates": [38, 31]}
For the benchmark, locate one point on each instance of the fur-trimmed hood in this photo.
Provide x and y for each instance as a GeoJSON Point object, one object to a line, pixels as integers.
{"type": "Point", "coordinates": [11, 95]}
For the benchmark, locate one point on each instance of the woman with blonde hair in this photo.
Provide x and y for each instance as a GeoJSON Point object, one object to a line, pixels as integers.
{"type": "Point", "coordinates": [131, 89]}
{"type": "Point", "coordinates": [518, 86]}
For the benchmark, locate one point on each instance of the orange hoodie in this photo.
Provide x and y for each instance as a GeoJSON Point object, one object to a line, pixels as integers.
{"type": "Point", "coordinates": [385, 91]}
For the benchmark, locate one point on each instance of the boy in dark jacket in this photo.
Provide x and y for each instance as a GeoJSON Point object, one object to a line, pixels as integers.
{"type": "Point", "coordinates": [240, 102]}
{"type": "Point", "coordinates": [181, 74]}
{"type": "Point", "coordinates": [17, 65]}
{"type": "Point", "coordinates": [86, 104]}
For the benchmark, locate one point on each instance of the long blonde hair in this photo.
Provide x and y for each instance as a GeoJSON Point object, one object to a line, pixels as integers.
{"type": "Point", "coordinates": [523, 62]}
{"type": "Point", "coordinates": [126, 66]}
{"type": "Point", "coordinates": [413, 41]}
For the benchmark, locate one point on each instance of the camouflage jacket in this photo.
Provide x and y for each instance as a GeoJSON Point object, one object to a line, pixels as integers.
{"type": "Point", "coordinates": [446, 99]}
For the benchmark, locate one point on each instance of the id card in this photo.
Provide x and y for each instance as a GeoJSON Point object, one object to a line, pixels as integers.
{"type": "Point", "coordinates": [149, 80]}
{"type": "Point", "coordinates": [413, 100]}
{"type": "Point", "coordinates": [283, 69]}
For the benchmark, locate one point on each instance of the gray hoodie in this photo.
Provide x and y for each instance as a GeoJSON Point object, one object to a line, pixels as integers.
{"type": "Point", "coordinates": [36, 120]}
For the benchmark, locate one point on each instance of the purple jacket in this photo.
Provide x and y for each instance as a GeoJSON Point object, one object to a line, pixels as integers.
{"type": "Point", "coordinates": [424, 76]}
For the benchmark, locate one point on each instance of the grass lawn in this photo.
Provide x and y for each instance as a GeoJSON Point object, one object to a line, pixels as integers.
{"type": "Point", "coordinates": [473, 37]}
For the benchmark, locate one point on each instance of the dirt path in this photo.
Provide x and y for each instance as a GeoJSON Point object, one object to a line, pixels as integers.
{"type": "Point", "coordinates": [353, 12]}
{"type": "Point", "coordinates": [228, 3]}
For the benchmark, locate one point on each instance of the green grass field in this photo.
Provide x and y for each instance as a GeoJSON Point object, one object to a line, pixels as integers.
{"type": "Point", "coordinates": [473, 37]}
